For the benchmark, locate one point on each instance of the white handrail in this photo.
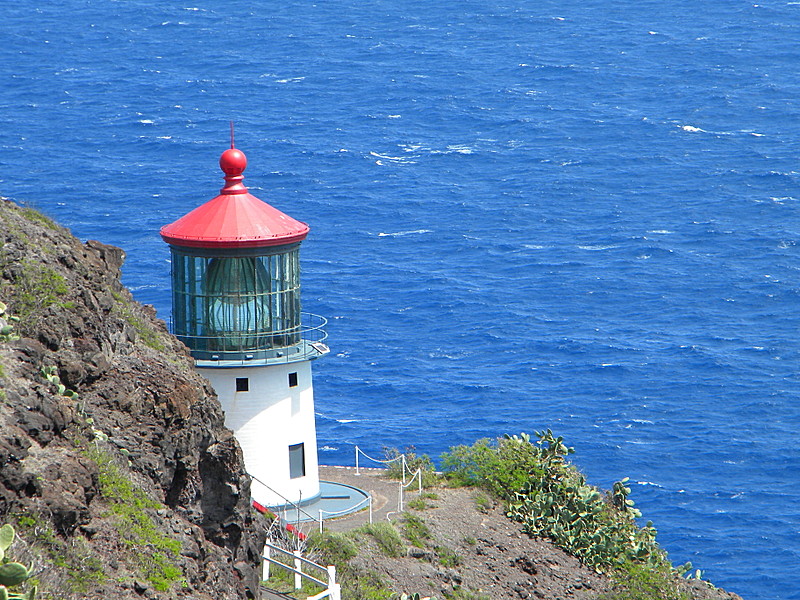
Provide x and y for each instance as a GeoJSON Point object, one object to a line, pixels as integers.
{"type": "Point", "coordinates": [346, 511]}
{"type": "Point", "coordinates": [332, 589]}
{"type": "Point", "coordinates": [294, 505]}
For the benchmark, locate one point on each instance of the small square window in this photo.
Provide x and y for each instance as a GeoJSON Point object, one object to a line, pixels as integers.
{"type": "Point", "coordinates": [292, 379]}
{"type": "Point", "coordinates": [242, 384]}
{"type": "Point", "coordinates": [297, 461]}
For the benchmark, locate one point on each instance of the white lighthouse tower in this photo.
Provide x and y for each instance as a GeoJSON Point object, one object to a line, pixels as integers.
{"type": "Point", "coordinates": [236, 305]}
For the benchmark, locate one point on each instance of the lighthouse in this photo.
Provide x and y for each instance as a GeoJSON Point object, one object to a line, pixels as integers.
{"type": "Point", "coordinates": [236, 305]}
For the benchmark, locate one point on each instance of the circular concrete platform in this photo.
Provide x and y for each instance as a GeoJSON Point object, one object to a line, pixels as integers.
{"type": "Point", "coordinates": [334, 500]}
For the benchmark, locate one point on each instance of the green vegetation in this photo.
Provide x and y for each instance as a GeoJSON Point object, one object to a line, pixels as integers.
{"type": "Point", "coordinates": [282, 580]}
{"type": "Point", "coordinates": [7, 331]}
{"type": "Point", "coordinates": [421, 501]}
{"type": "Point", "coordinates": [415, 530]}
{"type": "Point", "coordinates": [460, 593]}
{"type": "Point", "coordinates": [36, 287]}
{"type": "Point", "coordinates": [12, 574]}
{"type": "Point", "coordinates": [386, 536]}
{"type": "Point", "coordinates": [49, 373]}
{"type": "Point", "coordinates": [552, 500]}
{"type": "Point", "coordinates": [635, 581]}
{"type": "Point", "coordinates": [31, 214]}
{"type": "Point", "coordinates": [148, 335]}
{"type": "Point", "coordinates": [502, 467]}
{"type": "Point", "coordinates": [338, 550]}
{"type": "Point", "coordinates": [483, 503]}
{"type": "Point", "coordinates": [413, 461]}
{"type": "Point", "coordinates": [447, 557]}
{"type": "Point", "coordinates": [156, 553]}
{"type": "Point", "coordinates": [82, 570]}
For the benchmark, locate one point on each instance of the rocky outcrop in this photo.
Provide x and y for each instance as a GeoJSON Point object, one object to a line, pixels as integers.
{"type": "Point", "coordinates": [115, 464]}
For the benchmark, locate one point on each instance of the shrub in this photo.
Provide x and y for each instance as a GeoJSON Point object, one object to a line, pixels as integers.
{"type": "Point", "coordinates": [502, 467]}
{"type": "Point", "coordinates": [413, 461]}
{"type": "Point", "coordinates": [635, 581]}
{"type": "Point", "coordinates": [552, 500]}
{"type": "Point", "coordinates": [36, 287]}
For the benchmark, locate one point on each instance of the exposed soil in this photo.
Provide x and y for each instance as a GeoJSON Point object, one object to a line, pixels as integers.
{"type": "Point", "coordinates": [476, 551]}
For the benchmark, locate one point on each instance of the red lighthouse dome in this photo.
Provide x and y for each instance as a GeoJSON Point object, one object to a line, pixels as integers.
{"type": "Point", "coordinates": [235, 218]}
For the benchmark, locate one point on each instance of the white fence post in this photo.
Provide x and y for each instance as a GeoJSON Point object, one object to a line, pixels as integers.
{"type": "Point", "coordinates": [298, 579]}
{"type": "Point", "coordinates": [265, 564]}
{"type": "Point", "coordinates": [370, 509]}
{"type": "Point", "coordinates": [336, 592]}
{"type": "Point", "coordinates": [419, 473]}
{"type": "Point", "coordinates": [320, 520]}
{"type": "Point", "coordinates": [357, 460]}
{"type": "Point", "coordinates": [400, 499]}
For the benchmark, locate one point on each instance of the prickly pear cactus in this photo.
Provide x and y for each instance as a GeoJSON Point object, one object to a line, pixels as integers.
{"type": "Point", "coordinates": [12, 573]}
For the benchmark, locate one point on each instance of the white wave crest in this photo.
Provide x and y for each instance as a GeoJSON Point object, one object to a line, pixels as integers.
{"type": "Point", "coordinates": [402, 233]}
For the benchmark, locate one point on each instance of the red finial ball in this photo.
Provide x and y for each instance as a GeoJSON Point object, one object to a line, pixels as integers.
{"type": "Point", "coordinates": [233, 162]}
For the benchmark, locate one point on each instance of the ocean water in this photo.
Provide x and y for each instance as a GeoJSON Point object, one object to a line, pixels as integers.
{"type": "Point", "coordinates": [571, 215]}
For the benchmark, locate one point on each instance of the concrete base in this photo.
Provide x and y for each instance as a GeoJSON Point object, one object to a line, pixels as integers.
{"type": "Point", "coordinates": [334, 500]}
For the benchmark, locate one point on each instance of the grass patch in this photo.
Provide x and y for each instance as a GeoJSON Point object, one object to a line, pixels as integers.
{"type": "Point", "coordinates": [336, 549]}
{"type": "Point", "coordinates": [33, 215]}
{"type": "Point", "coordinates": [483, 504]}
{"type": "Point", "coordinates": [461, 593]}
{"type": "Point", "coordinates": [82, 569]}
{"type": "Point", "coordinates": [386, 536]}
{"type": "Point", "coordinates": [147, 334]}
{"type": "Point", "coordinates": [282, 580]}
{"type": "Point", "coordinates": [447, 558]}
{"type": "Point", "coordinates": [415, 530]}
{"type": "Point", "coordinates": [154, 552]}
{"type": "Point", "coordinates": [35, 288]}
{"type": "Point", "coordinates": [421, 501]}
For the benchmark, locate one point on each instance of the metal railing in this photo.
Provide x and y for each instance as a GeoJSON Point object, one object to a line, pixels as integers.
{"type": "Point", "coordinates": [403, 486]}
{"type": "Point", "coordinates": [346, 511]}
{"type": "Point", "coordinates": [332, 589]}
{"type": "Point", "coordinates": [295, 505]}
{"type": "Point", "coordinates": [307, 338]}
{"type": "Point", "coordinates": [323, 514]}
{"type": "Point", "coordinates": [404, 469]}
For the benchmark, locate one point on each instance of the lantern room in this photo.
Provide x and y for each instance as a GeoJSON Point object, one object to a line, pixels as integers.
{"type": "Point", "coordinates": [236, 305]}
{"type": "Point", "coordinates": [236, 275]}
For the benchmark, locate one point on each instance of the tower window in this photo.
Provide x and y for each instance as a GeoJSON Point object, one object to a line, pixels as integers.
{"type": "Point", "coordinates": [297, 461]}
{"type": "Point", "coordinates": [293, 379]}
{"type": "Point", "coordinates": [242, 384]}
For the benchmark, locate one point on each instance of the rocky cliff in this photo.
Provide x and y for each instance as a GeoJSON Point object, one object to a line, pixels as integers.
{"type": "Point", "coordinates": [115, 465]}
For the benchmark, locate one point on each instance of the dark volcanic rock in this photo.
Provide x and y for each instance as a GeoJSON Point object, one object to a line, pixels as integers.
{"type": "Point", "coordinates": [139, 404]}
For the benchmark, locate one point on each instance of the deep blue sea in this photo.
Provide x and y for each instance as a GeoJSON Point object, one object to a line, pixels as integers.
{"type": "Point", "coordinates": [571, 215]}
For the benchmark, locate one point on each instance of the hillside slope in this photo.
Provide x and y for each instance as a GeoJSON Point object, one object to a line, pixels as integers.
{"type": "Point", "coordinates": [121, 481]}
